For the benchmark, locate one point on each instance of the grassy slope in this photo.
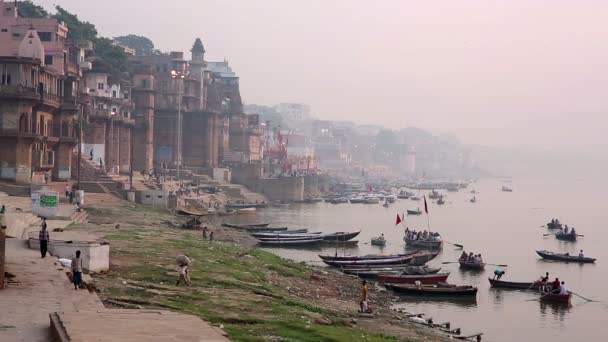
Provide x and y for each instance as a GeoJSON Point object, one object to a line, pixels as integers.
{"type": "Point", "coordinates": [231, 285]}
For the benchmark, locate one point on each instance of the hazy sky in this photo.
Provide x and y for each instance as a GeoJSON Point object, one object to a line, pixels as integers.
{"type": "Point", "coordinates": [491, 72]}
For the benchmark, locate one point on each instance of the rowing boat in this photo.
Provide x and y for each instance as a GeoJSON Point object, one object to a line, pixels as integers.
{"type": "Point", "coordinates": [472, 265]}
{"type": "Point", "coordinates": [564, 257]}
{"type": "Point", "coordinates": [566, 237]}
{"type": "Point", "coordinates": [378, 241]}
{"type": "Point", "coordinates": [553, 225]}
{"type": "Point", "coordinates": [433, 290]}
{"type": "Point", "coordinates": [282, 235]}
{"type": "Point", "coordinates": [554, 297]}
{"type": "Point", "coordinates": [374, 273]}
{"type": "Point", "coordinates": [341, 236]}
{"type": "Point", "coordinates": [514, 285]}
{"type": "Point", "coordinates": [411, 279]}
{"type": "Point", "coordinates": [414, 212]}
{"type": "Point", "coordinates": [364, 257]}
{"type": "Point", "coordinates": [288, 242]}
{"type": "Point", "coordinates": [432, 244]}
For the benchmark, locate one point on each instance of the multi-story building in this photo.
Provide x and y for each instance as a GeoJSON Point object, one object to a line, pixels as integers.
{"type": "Point", "coordinates": [294, 112]}
{"type": "Point", "coordinates": [39, 75]}
{"type": "Point", "coordinates": [107, 134]}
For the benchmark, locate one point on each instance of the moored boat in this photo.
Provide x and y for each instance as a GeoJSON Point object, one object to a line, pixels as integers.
{"type": "Point", "coordinates": [414, 212]}
{"type": "Point", "coordinates": [289, 242]}
{"type": "Point", "coordinates": [507, 189]}
{"type": "Point", "coordinates": [364, 257]}
{"type": "Point", "coordinates": [514, 285]}
{"type": "Point", "coordinates": [554, 297]}
{"type": "Point", "coordinates": [246, 211]}
{"type": "Point", "coordinates": [433, 290]}
{"type": "Point", "coordinates": [564, 257]}
{"type": "Point", "coordinates": [472, 265]}
{"type": "Point", "coordinates": [554, 225]}
{"type": "Point", "coordinates": [341, 236]}
{"type": "Point", "coordinates": [440, 201]}
{"type": "Point", "coordinates": [411, 279]}
{"type": "Point", "coordinates": [245, 205]}
{"type": "Point", "coordinates": [286, 236]}
{"type": "Point", "coordinates": [434, 195]}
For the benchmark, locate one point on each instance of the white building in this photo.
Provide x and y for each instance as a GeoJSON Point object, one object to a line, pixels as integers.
{"type": "Point", "coordinates": [293, 111]}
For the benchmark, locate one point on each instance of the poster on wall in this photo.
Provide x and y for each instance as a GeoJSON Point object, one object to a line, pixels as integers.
{"type": "Point", "coordinates": [45, 203]}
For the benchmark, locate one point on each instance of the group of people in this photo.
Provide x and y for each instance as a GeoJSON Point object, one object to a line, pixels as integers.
{"type": "Point", "coordinates": [471, 258]}
{"type": "Point", "coordinates": [421, 235]}
{"type": "Point", "coordinates": [555, 287]}
{"type": "Point", "coordinates": [563, 230]}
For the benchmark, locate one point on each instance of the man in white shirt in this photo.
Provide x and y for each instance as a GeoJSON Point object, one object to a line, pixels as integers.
{"type": "Point", "coordinates": [581, 254]}
{"type": "Point", "coordinates": [563, 290]}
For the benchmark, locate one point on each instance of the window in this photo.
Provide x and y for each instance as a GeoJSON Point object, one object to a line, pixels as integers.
{"type": "Point", "coordinates": [48, 60]}
{"type": "Point", "coordinates": [45, 36]}
{"type": "Point", "coordinates": [113, 111]}
{"type": "Point", "coordinates": [100, 105]}
{"type": "Point", "coordinates": [114, 93]}
{"type": "Point", "coordinates": [125, 114]}
{"type": "Point", "coordinates": [4, 30]}
{"type": "Point", "coordinates": [125, 96]}
{"type": "Point", "coordinates": [100, 86]}
{"type": "Point", "coordinates": [16, 35]}
{"type": "Point", "coordinates": [144, 83]}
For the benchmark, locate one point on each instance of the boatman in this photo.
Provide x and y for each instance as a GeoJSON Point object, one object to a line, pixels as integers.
{"type": "Point", "coordinates": [498, 273]}
{"type": "Point", "coordinates": [563, 290]}
{"type": "Point", "coordinates": [581, 254]}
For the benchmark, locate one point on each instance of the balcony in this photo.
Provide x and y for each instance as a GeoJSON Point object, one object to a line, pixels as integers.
{"type": "Point", "coordinates": [18, 92]}
{"type": "Point", "coordinates": [103, 114]}
{"type": "Point", "coordinates": [44, 159]}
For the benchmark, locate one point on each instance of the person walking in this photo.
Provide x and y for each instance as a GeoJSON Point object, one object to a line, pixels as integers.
{"type": "Point", "coordinates": [2, 210]}
{"type": "Point", "coordinates": [77, 270]}
{"type": "Point", "coordinates": [184, 274]}
{"type": "Point", "coordinates": [43, 238]}
{"type": "Point", "coordinates": [67, 190]}
{"type": "Point", "coordinates": [71, 196]}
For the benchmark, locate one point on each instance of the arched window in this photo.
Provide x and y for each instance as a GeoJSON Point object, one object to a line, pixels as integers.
{"type": "Point", "coordinates": [23, 124]}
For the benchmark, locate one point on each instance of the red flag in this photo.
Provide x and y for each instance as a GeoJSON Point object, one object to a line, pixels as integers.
{"type": "Point", "coordinates": [398, 220]}
{"type": "Point", "coordinates": [426, 207]}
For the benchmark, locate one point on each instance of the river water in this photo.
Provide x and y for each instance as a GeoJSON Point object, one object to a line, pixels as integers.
{"type": "Point", "coordinates": [505, 228]}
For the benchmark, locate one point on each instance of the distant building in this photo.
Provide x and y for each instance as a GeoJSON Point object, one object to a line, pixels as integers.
{"type": "Point", "coordinates": [293, 111]}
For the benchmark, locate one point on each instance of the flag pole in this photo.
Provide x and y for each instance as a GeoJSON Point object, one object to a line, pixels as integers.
{"type": "Point", "coordinates": [426, 209]}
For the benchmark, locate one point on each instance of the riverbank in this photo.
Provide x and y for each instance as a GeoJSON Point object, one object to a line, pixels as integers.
{"type": "Point", "coordinates": [253, 294]}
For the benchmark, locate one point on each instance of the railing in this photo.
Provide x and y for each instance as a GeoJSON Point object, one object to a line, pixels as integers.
{"type": "Point", "coordinates": [18, 91]}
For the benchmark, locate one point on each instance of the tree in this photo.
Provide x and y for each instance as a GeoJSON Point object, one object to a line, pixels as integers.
{"type": "Point", "coordinates": [111, 58]}
{"type": "Point", "coordinates": [78, 30]}
{"type": "Point", "coordinates": [143, 46]}
{"type": "Point", "coordinates": [28, 9]}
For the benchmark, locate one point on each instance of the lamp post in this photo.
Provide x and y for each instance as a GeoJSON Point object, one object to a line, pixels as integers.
{"type": "Point", "coordinates": [178, 75]}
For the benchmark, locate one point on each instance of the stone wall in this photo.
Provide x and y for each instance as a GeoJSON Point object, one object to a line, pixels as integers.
{"type": "Point", "coordinates": [281, 189]}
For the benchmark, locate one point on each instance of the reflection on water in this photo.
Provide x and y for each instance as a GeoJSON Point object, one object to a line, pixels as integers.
{"type": "Point", "coordinates": [555, 309]}
{"type": "Point", "coordinates": [505, 229]}
{"type": "Point", "coordinates": [402, 301]}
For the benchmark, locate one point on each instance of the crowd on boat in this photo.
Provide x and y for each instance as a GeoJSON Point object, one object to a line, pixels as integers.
{"type": "Point", "coordinates": [471, 258]}
{"type": "Point", "coordinates": [422, 235]}
{"type": "Point", "coordinates": [555, 287]}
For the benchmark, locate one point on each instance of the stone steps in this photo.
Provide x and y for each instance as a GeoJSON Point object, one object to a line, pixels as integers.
{"type": "Point", "coordinates": [80, 217]}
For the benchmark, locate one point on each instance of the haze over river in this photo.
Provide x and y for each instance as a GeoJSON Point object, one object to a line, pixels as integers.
{"type": "Point", "coordinates": [506, 229]}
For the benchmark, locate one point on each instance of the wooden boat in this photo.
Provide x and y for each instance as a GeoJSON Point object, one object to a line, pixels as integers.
{"type": "Point", "coordinates": [422, 258]}
{"type": "Point", "coordinates": [375, 272]}
{"type": "Point", "coordinates": [553, 225]}
{"type": "Point", "coordinates": [341, 236]}
{"type": "Point", "coordinates": [411, 279]}
{"type": "Point", "coordinates": [414, 212]}
{"type": "Point", "coordinates": [472, 265]}
{"type": "Point", "coordinates": [440, 201]}
{"type": "Point", "coordinates": [564, 257]}
{"type": "Point", "coordinates": [415, 198]}
{"type": "Point", "coordinates": [245, 226]}
{"type": "Point", "coordinates": [337, 200]}
{"type": "Point", "coordinates": [227, 212]}
{"type": "Point", "coordinates": [288, 242]}
{"type": "Point", "coordinates": [280, 234]}
{"type": "Point", "coordinates": [192, 211]}
{"type": "Point", "coordinates": [364, 257]}
{"type": "Point", "coordinates": [566, 237]}
{"type": "Point", "coordinates": [390, 261]}
{"type": "Point", "coordinates": [378, 241]}
{"type": "Point", "coordinates": [246, 211]}
{"type": "Point", "coordinates": [554, 297]}
{"type": "Point", "coordinates": [507, 189]}
{"type": "Point", "coordinates": [473, 200]}
{"type": "Point", "coordinates": [514, 285]}
{"type": "Point", "coordinates": [371, 200]}
{"type": "Point", "coordinates": [431, 244]}
{"type": "Point", "coordinates": [357, 200]}
{"type": "Point", "coordinates": [433, 290]}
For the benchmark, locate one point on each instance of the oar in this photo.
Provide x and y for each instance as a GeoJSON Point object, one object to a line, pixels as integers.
{"type": "Point", "coordinates": [449, 262]}
{"type": "Point", "coordinates": [576, 294]}
{"type": "Point", "coordinates": [541, 297]}
{"type": "Point", "coordinates": [455, 244]}
{"type": "Point", "coordinates": [545, 235]}
{"type": "Point", "coordinates": [497, 265]}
